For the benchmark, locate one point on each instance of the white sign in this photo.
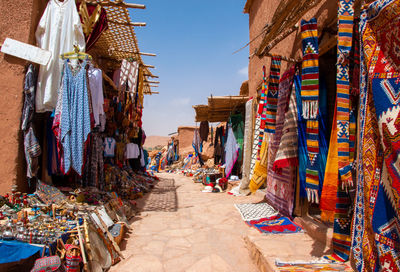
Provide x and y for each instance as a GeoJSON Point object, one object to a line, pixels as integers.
{"type": "Point", "coordinates": [26, 51]}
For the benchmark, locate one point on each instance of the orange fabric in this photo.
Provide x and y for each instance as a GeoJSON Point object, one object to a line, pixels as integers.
{"type": "Point", "coordinates": [331, 179]}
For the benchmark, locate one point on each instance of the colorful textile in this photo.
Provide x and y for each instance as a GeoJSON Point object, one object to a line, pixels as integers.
{"type": "Point", "coordinates": [256, 211]}
{"type": "Point", "coordinates": [345, 32]}
{"type": "Point", "coordinates": [74, 123]}
{"type": "Point", "coordinates": [314, 267]}
{"type": "Point", "coordinates": [287, 154]}
{"type": "Point", "coordinates": [94, 22]}
{"type": "Point", "coordinates": [262, 113]}
{"type": "Point", "coordinates": [260, 169]}
{"type": "Point", "coordinates": [281, 181]}
{"type": "Point", "coordinates": [275, 225]}
{"type": "Point", "coordinates": [231, 152]}
{"type": "Point", "coordinates": [254, 150]}
{"type": "Point", "coordinates": [375, 232]}
{"type": "Point", "coordinates": [310, 96]}
{"type": "Point", "coordinates": [272, 96]}
{"type": "Point", "coordinates": [15, 251]}
{"type": "Point", "coordinates": [331, 180]}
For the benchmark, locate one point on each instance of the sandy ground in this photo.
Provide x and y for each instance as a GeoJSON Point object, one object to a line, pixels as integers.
{"type": "Point", "coordinates": [182, 229]}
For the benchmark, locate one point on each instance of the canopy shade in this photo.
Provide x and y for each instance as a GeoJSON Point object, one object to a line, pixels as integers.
{"type": "Point", "coordinates": [219, 108]}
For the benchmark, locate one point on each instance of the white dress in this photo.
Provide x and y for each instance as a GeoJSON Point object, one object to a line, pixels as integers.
{"type": "Point", "coordinates": [96, 89]}
{"type": "Point", "coordinates": [58, 30]}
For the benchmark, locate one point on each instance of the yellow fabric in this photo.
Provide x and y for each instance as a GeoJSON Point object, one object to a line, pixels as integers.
{"type": "Point", "coordinates": [260, 170]}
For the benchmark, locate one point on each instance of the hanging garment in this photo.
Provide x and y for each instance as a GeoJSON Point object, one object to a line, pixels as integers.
{"type": "Point", "coordinates": [262, 114]}
{"type": "Point", "coordinates": [204, 129]}
{"type": "Point", "coordinates": [218, 149]}
{"type": "Point", "coordinates": [29, 97]}
{"type": "Point", "coordinates": [244, 185]}
{"type": "Point", "coordinates": [238, 131]}
{"type": "Point", "coordinates": [310, 95]}
{"type": "Point", "coordinates": [95, 77]}
{"type": "Point", "coordinates": [109, 147]}
{"type": "Point", "coordinates": [280, 182]}
{"type": "Point", "coordinates": [58, 31]}
{"type": "Point", "coordinates": [72, 124]}
{"type": "Point", "coordinates": [94, 22]}
{"type": "Point", "coordinates": [129, 75]}
{"type": "Point", "coordinates": [32, 152]}
{"type": "Point", "coordinates": [272, 96]}
{"type": "Point", "coordinates": [97, 161]}
{"type": "Point", "coordinates": [132, 151]}
{"type": "Point", "coordinates": [375, 226]}
{"type": "Point", "coordinates": [231, 152]}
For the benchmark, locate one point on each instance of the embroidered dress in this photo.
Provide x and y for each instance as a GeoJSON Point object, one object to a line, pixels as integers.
{"type": "Point", "coordinates": [72, 123]}
{"type": "Point", "coordinates": [58, 31]}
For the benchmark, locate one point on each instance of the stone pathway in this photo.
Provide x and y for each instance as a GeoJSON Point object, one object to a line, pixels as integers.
{"type": "Point", "coordinates": [183, 229]}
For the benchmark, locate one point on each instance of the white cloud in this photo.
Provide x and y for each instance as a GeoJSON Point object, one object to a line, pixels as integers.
{"type": "Point", "coordinates": [244, 71]}
{"type": "Point", "coordinates": [184, 101]}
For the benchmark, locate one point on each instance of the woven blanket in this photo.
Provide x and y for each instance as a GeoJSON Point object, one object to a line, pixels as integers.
{"type": "Point", "coordinates": [310, 96]}
{"type": "Point", "coordinates": [260, 170]}
{"type": "Point", "coordinates": [262, 112]}
{"type": "Point", "coordinates": [272, 96]}
{"type": "Point", "coordinates": [244, 185]}
{"type": "Point", "coordinates": [345, 32]}
{"type": "Point", "coordinates": [231, 152]}
{"type": "Point", "coordinates": [281, 183]}
{"type": "Point", "coordinates": [250, 211]}
{"type": "Point", "coordinates": [275, 225]}
{"type": "Point", "coordinates": [287, 154]}
{"type": "Point", "coordinates": [315, 267]}
{"type": "Point", "coordinates": [375, 232]}
{"type": "Point", "coordinates": [331, 180]}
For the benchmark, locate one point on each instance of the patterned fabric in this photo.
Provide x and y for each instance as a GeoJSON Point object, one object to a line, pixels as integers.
{"type": "Point", "coordinates": [250, 211]}
{"type": "Point", "coordinates": [345, 32]}
{"type": "Point", "coordinates": [260, 169]}
{"type": "Point", "coordinates": [287, 154]}
{"type": "Point", "coordinates": [254, 150]}
{"type": "Point", "coordinates": [75, 118]}
{"type": "Point", "coordinates": [46, 264]}
{"type": "Point", "coordinates": [272, 96]}
{"type": "Point", "coordinates": [262, 113]}
{"type": "Point", "coordinates": [310, 96]}
{"type": "Point", "coordinates": [331, 179]}
{"type": "Point", "coordinates": [281, 181]}
{"type": "Point", "coordinates": [29, 97]}
{"type": "Point", "coordinates": [231, 152]}
{"type": "Point", "coordinates": [375, 232]}
{"type": "Point", "coordinates": [276, 225]}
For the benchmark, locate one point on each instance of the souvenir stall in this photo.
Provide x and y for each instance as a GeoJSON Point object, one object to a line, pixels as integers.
{"type": "Point", "coordinates": [325, 129]}
{"type": "Point", "coordinates": [83, 141]}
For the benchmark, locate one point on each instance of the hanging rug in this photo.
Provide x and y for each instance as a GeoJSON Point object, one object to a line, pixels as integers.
{"type": "Point", "coordinates": [250, 211]}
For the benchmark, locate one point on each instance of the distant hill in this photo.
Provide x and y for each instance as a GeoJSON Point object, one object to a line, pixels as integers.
{"type": "Point", "coordinates": [153, 141]}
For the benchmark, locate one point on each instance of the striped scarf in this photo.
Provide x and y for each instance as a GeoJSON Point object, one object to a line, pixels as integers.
{"type": "Point", "coordinates": [262, 112]}
{"type": "Point", "coordinates": [310, 95]}
{"type": "Point", "coordinates": [345, 32]}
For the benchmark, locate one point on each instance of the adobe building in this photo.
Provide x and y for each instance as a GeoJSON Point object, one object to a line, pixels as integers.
{"type": "Point", "coordinates": [18, 21]}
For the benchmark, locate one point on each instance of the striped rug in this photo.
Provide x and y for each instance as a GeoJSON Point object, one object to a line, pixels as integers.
{"type": "Point", "coordinates": [272, 96]}
{"type": "Point", "coordinates": [310, 96]}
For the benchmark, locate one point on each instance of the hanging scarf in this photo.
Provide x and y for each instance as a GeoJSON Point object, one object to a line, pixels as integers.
{"type": "Point", "coordinates": [262, 109]}
{"type": "Point", "coordinates": [310, 95]}
{"type": "Point", "coordinates": [345, 32]}
{"type": "Point", "coordinates": [231, 151]}
{"type": "Point", "coordinates": [272, 97]}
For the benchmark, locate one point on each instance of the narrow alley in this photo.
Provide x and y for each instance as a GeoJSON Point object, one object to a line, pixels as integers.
{"type": "Point", "coordinates": [182, 229]}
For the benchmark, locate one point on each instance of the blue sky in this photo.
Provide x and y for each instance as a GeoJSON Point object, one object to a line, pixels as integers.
{"type": "Point", "coordinates": [194, 42]}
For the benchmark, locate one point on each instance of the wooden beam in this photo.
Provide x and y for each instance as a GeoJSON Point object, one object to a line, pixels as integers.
{"type": "Point", "coordinates": [151, 76]}
{"type": "Point", "coordinates": [149, 81]}
{"type": "Point", "coordinates": [149, 66]}
{"type": "Point", "coordinates": [147, 54]}
{"type": "Point", "coordinates": [127, 24]}
{"type": "Point", "coordinates": [110, 3]}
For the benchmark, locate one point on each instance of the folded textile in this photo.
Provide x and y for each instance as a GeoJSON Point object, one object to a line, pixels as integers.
{"type": "Point", "coordinates": [250, 211]}
{"type": "Point", "coordinates": [275, 225]}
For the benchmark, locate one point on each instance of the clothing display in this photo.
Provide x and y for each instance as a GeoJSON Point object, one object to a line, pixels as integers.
{"type": "Point", "coordinates": [58, 31]}
{"type": "Point", "coordinates": [72, 118]}
{"type": "Point", "coordinates": [132, 151]}
{"type": "Point", "coordinates": [310, 96]}
{"type": "Point", "coordinates": [109, 147]}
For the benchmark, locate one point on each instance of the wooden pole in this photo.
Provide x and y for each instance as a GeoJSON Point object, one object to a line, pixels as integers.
{"type": "Point", "coordinates": [127, 24]}
{"type": "Point", "coordinates": [149, 66]}
{"type": "Point", "coordinates": [85, 265]}
{"type": "Point", "coordinates": [110, 3]}
{"type": "Point", "coordinates": [151, 76]}
{"type": "Point", "coordinates": [149, 81]}
{"type": "Point", "coordinates": [147, 54]}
